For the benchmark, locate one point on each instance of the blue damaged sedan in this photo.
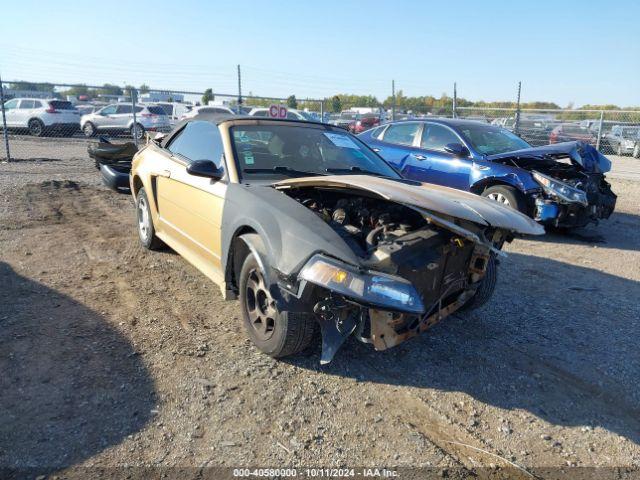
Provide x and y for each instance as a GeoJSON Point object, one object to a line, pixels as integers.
{"type": "Point", "coordinates": [561, 185]}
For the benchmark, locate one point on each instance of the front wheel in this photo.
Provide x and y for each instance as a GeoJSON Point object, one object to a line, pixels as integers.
{"type": "Point", "coordinates": [636, 150]}
{"type": "Point", "coordinates": [275, 333]}
{"type": "Point", "coordinates": [89, 129]}
{"type": "Point", "coordinates": [146, 230]}
{"type": "Point", "coordinates": [507, 196]}
{"type": "Point", "coordinates": [486, 288]}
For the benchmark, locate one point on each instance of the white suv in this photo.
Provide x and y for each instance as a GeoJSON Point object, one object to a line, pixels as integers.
{"type": "Point", "coordinates": [118, 118]}
{"type": "Point", "coordinates": [41, 116]}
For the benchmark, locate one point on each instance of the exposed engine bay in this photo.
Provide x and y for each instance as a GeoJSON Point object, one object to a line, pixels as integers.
{"type": "Point", "coordinates": [445, 268]}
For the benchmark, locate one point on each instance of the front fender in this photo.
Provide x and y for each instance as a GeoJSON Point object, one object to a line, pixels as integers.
{"type": "Point", "coordinates": [519, 179]}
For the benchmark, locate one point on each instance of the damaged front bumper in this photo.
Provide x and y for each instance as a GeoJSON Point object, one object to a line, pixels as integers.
{"type": "Point", "coordinates": [596, 202]}
{"type": "Point", "coordinates": [405, 309]}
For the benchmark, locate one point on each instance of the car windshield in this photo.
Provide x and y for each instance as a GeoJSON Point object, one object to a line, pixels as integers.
{"type": "Point", "coordinates": [490, 140]}
{"type": "Point", "coordinates": [575, 129]}
{"type": "Point", "coordinates": [293, 150]}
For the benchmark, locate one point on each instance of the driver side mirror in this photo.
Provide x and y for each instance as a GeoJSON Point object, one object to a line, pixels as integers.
{"type": "Point", "coordinates": [457, 149]}
{"type": "Point", "coordinates": [205, 168]}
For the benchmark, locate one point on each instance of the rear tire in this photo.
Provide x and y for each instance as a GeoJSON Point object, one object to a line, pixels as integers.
{"type": "Point", "coordinates": [138, 132]}
{"type": "Point", "coordinates": [278, 334]}
{"type": "Point", "coordinates": [636, 150]}
{"type": "Point", "coordinates": [507, 196]}
{"type": "Point", "coordinates": [146, 230]}
{"type": "Point", "coordinates": [486, 288]}
{"type": "Point", "coordinates": [36, 127]}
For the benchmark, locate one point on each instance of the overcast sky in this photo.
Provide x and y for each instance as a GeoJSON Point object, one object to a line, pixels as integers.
{"type": "Point", "coordinates": [563, 51]}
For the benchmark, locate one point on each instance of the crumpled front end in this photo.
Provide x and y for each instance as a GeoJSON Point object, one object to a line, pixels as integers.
{"type": "Point", "coordinates": [415, 269]}
{"type": "Point", "coordinates": [573, 189]}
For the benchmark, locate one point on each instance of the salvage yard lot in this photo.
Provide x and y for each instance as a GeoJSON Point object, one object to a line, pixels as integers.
{"type": "Point", "coordinates": [113, 355]}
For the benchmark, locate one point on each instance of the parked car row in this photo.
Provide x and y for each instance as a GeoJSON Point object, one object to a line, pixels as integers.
{"type": "Point", "coordinates": [39, 117]}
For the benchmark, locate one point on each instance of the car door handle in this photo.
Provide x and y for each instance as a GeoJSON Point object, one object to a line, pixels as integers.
{"type": "Point", "coordinates": [420, 157]}
{"type": "Point", "coordinates": [376, 149]}
{"type": "Point", "coordinates": [164, 173]}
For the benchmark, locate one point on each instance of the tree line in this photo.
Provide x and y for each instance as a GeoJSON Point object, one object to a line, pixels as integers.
{"type": "Point", "coordinates": [442, 105]}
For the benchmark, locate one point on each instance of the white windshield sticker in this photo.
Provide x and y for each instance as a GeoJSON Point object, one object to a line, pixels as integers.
{"type": "Point", "coordinates": [342, 141]}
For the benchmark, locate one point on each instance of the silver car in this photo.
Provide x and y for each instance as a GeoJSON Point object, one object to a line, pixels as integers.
{"type": "Point", "coordinates": [118, 118]}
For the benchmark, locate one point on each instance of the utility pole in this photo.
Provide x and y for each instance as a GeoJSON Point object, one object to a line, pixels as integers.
{"type": "Point", "coordinates": [516, 127]}
{"type": "Point", "coordinates": [455, 101]}
{"type": "Point", "coordinates": [4, 122]}
{"type": "Point", "coordinates": [393, 100]}
{"type": "Point", "coordinates": [239, 91]}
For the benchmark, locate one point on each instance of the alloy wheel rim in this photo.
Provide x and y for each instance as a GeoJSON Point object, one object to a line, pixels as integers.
{"type": "Point", "coordinates": [500, 198]}
{"type": "Point", "coordinates": [88, 129]}
{"type": "Point", "coordinates": [261, 308]}
{"type": "Point", "coordinates": [143, 219]}
{"type": "Point", "coordinates": [36, 129]}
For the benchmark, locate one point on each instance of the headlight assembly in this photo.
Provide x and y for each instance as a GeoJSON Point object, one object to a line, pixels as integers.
{"type": "Point", "coordinates": [376, 288]}
{"type": "Point", "coordinates": [560, 189]}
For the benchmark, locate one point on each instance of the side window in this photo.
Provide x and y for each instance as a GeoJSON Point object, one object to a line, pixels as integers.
{"type": "Point", "coordinates": [375, 133]}
{"type": "Point", "coordinates": [26, 104]}
{"type": "Point", "coordinates": [11, 104]}
{"type": "Point", "coordinates": [110, 110]}
{"type": "Point", "coordinates": [260, 113]}
{"type": "Point", "coordinates": [139, 109]}
{"type": "Point", "coordinates": [37, 104]}
{"type": "Point", "coordinates": [436, 137]}
{"type": "Point", "coordinates": [124, 109]}
{"type": "Point", "coordinates": [199, 141]}
{"type": "Point", "coordinates": [401, 133]}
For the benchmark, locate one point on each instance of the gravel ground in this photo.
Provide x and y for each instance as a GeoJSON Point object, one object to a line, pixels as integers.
{"type": "Point", "coordinates": [115, 356]}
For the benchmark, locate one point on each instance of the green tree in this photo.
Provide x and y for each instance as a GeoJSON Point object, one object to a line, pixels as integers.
{"type": "Point", "coordinates": [144, 88]}
{"type": "Point", "coordinates": [38, 87]}
{"type": "Point", "coordinates": [336, 104]}
{"type": "Point", "coordinates": [292, 102]}
{"type": "Point", "coordinates": [110, 89]}
{"type": "Point", "coordinates": [207, 96]}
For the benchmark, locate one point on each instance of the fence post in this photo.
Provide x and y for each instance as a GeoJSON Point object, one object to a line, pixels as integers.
{"type": "Point", "coordinates": [321, 110]}
{"type": "Point", "coordinates": [4, 122]}
{"type": "Point", "coordinates": [517, 125]}
{"type": "Point", "coordinates": [393, 98]}
{"type": "Point", "coordinates": [599, 130]}
{"type": "Point", "coordinates": [135, 121]}
{"type": "Point", "coordinates": [454, 114]}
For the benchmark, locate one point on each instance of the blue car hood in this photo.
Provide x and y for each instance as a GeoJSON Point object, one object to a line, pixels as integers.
{"type": "Point", "coordinates": [580, 153]}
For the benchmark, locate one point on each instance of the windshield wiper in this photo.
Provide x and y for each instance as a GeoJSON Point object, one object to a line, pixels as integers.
{"type": "Point", "coordinates": [354, 169]}
{"type": "Point", "coordinates": [283, 170]}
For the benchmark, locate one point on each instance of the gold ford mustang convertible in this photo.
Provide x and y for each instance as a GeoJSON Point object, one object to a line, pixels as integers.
{"type": "Point", "coordinates": [312, 230]}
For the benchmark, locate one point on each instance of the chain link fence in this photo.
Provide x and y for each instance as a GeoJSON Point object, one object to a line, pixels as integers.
{"type": "Point", "coordinates": [613, 132]}
{"type": "Point", "coordinates": [47, 121]}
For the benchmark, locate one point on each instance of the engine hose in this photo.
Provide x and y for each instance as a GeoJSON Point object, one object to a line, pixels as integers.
{"type": "Point", "coordinates": [371, 237]}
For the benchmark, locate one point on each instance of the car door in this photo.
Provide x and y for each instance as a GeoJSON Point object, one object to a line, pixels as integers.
{"type": "Point", "coordinates": [24, 112]}
{"type": "Point", "coordinates": [190, 207]}
{"type": "Point", "coordinates": [104, 118]}
{"type": "Point", "coordinates": [440, 166]}
{"type": "Point", "coordinates": [398, 146]}
{"type": "Point", "coordinates": [124, 113]}
{"type": "Point", "coordinates": [11, 110]}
